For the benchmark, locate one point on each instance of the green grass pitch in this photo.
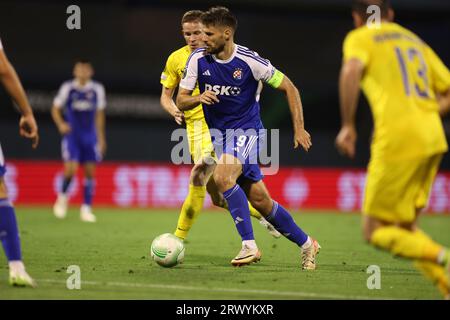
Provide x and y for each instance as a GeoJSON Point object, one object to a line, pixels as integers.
{"type": "Point", "coordinates": [113, 256]}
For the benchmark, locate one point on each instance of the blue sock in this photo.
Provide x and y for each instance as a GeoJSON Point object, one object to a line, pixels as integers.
{"type": "Point", "coordinates": [88, 191]}
{"type": "Point", "coordinates": [65, 184]}
{"type": "Point", "coordinates": [285, 224]}
{"type": "Point", "coordinates": [238, 206]}
{"type": "Point", "coordinates": [9, 234]}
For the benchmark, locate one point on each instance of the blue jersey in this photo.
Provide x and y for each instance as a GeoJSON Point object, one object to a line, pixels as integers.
{"type": "Point", "coordinates": [237, 83]}
{"type": "Point", "coordinates": [2, 163]}
{"type": "Point", "coordinates": [80, 104]}
{"type": "Point", "coordinates": [2, 159]}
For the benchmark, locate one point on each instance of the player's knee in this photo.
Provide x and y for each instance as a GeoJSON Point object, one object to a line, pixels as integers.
{"type": "Point", "coordinates": [69, 172]}
{"type": "Point", "coordinates": [262, 203]}
{"type": "Point", "coordinates": [223, 182]}
{"type": "Point", "coordinates": [89, 170]}
{"type": "Point", "coordinates": [69, 175]}
{"type": "Point", "coordinates": [258, 205]}
{"type": "Point", "coordinates": [197, 180]}
{"type": "Point", "coordinates": [89, 176]}
{"type": "Point", "coordinates": [198, 175]}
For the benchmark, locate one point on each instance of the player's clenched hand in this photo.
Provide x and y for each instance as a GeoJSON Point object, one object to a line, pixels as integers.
{"type": "Point", "coordinates": [303, 138]}
{"type": "Point", "coordinates": [346, 140]}
{"type": "Point", "coordinates": [178, 116]}
{"type": "Point", "coordinates": [64, 128]}
{"type": "Point", "coordinates": [208, 97]}
{"type": "Point", "coordinates": [28, 129]}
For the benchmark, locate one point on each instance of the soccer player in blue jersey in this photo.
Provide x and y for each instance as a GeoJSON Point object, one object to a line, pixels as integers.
{"type": "Point", "coordinates": [83, 130]}
{"type": "Point", "coordinates": [200, 146]}
{"type": "Point", "coordinates": [229, 77]}
{"type": "Point", "coordinates": [9, 233]}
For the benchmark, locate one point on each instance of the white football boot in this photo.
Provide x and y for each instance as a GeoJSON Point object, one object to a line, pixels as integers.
{"type": "Point", "coordinates": [86, 214]}
{"type": "Point", "coordinates": [18, 276]}
{"type": "Point", "coordinates": [60, 206]}
{"type": "Point", "coordinates": [247, 255]}
{"type": "Point", "coordinates": [309, 255]}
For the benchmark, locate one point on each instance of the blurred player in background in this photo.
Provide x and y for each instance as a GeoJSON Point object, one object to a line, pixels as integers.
{"type": "Point", "coordinates": [199, 138]}
{"type": "Point", "coordinates": [235, 74]}
{"type": "Point", "coordinates": [9, 233]}
{"type": "Point", "coordinates": [78, 112]}
{"type": "Point", "coordinates": [406, 85]}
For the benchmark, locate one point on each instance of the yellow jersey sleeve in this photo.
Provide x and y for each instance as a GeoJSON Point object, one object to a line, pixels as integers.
{"type": "Point", "coordinates": [440, 75]}
{"type": "Point", "coordinates": [170, 77]}
{"type": "Point", "coordinates": [357, 45]}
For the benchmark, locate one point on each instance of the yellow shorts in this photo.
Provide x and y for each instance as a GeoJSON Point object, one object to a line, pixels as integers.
{"type": "Point", "coordinates": [200, 145]}
{"type": "Point", "coordinates": [395, 190]}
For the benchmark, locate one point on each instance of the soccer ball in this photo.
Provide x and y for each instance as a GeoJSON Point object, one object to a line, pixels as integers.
{"type": "Point", "coordinates": [167, 250]}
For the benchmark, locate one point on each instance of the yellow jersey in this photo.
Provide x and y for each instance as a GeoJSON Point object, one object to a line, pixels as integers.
{"type": "Point", "coordinates": [401, 77]}
{"type": "Point", "coordinates": [171, 77]}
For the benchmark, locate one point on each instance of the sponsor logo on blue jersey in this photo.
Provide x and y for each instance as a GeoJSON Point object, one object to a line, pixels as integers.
{"type": "Point", "coordinates": [223, 90]}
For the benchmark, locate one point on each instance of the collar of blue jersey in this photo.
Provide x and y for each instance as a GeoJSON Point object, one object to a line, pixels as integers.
{"type": "Point", "coordinates": [230, 58]}
{"type": "Point", "coordinates": [77, 84]}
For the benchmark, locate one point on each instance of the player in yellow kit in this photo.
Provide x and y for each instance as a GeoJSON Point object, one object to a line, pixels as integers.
{"type": "Point", "coordinates": [406, 85]}
{"type": "Point", "coordinates": [200, 145]}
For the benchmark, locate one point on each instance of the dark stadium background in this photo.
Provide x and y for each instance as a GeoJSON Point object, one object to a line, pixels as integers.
{"type": "Point", "coordinates": [128, 43]}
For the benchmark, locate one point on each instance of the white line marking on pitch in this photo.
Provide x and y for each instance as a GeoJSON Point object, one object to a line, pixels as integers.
{"type": "Point", "coordinates": [253, 291]}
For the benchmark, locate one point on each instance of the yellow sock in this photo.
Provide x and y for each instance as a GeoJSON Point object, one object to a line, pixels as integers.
{"type": "Point", "coordinates": [405, 243]}
{"type": "Point", "coordinates": [190, 210]}
{"type": "Point", "coordinates": [253, 212]}
{"type": "Point", "coordinates": [435, 272]}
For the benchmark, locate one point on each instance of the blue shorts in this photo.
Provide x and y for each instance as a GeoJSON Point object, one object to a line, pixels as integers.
{"type": "Point", "coordinates": [244, 145]}
{"type": "Point", "coordinates": [2, 163]}
{"type": "Point", "coordinates": [80, 150]}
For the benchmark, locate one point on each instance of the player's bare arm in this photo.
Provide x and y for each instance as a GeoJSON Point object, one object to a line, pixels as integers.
{"type": "Point", "coordinates": [169, 105]}
{"type": "Point", "coordinates": [349, 79]}
{"type": "Point", "coordinates": [185, 101]}
{"type": "Point", "coordinates": [10, 80]}
{"type": "Point", "coordinates": [444, 103]}
{"type": "Point", "coordinates": [301, 136]}
{"type": "Point", "coordinates": [61, 124]}
{"type": "Point", "coordinates": [100, 127]}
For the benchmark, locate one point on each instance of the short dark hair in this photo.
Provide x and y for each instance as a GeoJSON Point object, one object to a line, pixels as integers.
{"type": "Point", "coordinates": [219, 16]}
{"type": "Point", "coordinates": [82, 60]}
{"type": "Point", "coordinates": [191, 16]}
{"type": "Point", "coordinates": [360, 7]}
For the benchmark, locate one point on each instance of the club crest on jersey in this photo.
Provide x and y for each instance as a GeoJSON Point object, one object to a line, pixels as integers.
{"type": "Point", "coordinates": [237, 74]}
